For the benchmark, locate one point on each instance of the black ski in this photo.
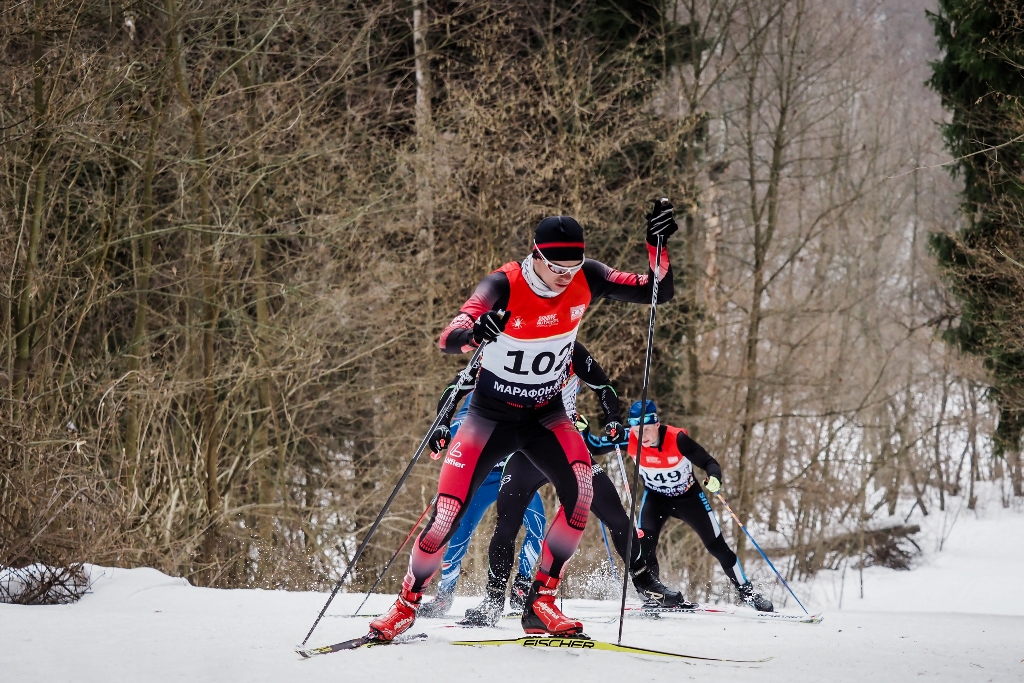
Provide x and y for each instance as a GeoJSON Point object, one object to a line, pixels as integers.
{"type": "Point", "coordinates": [465, 623]}
{"type": "Point", "coordinates": [695, 608]}
{"type": "Point", "coordinates": [369, 640]}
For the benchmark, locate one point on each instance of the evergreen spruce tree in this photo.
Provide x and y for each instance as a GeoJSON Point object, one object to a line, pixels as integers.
{"type": "Point", "coordinates": [981, 81]}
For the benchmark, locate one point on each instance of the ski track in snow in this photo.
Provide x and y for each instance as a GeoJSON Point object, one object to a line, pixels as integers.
{"type": "Point", "coordinates": [958, 616]}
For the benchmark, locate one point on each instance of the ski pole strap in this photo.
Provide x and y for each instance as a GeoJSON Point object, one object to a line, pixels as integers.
{"type": "Point", "coordinates": [740, 524]}
{"type": "Point", "coordinates": [463, 378]}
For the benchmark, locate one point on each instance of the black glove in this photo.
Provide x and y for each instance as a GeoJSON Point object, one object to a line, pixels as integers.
{"type": "Point", "coordinates": [489, 325]}
{"type": "Point", "coordinates": [660, 222]}
{"type": "Point", "coordinates": [615, 432]}
{"type": "Point", "coordinates": [439, 438]}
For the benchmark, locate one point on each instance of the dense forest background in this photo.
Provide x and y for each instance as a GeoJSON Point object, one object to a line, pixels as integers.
{"type": "Point", "coordinates": [231, 233]}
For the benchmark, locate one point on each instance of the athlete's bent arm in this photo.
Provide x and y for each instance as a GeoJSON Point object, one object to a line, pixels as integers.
{"type": "Point", "coordinates": [698, 456]}
{"type": "Point", "coordinates": [490, 295]}
{"type": "Point", "coordinates": [606, 282]}
{"type": "Point", "coordinates": [593, 375]}
{"type": "Point", "coordinates": [597, 445]}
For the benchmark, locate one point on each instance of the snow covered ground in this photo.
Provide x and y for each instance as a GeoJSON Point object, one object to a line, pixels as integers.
{"type": "Point", "coordinates": [958, 616]}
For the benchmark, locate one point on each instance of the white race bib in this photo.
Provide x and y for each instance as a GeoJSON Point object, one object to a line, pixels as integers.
{"type": "Point", "coordinates": [671, 475]}
{"type": "Point", "coordinates": [526, 370]}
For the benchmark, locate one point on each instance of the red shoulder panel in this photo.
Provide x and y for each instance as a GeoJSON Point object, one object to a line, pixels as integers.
{"type": "Point", "coordinates": [534, 317]}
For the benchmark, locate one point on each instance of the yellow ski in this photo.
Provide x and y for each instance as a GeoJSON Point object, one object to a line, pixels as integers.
{"type": "Point", "coordinates": [584, 643]}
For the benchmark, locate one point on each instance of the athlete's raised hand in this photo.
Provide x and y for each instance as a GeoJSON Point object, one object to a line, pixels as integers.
{"type": "Point", "coordinates": [615, 432]}
{"type": "Point", "coordinates": [439, 440]}
{"type": "Point", "coordinates": [660, 221]}
{"type": "Point", "coordinates": [489, 325]}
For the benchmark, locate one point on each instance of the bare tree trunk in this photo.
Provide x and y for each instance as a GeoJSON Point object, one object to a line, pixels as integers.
{"type": "Point", "coordinates": [763, 233]}
{"type": "Point", "coordinates": [689, 269]}
{"type": "Point", "coordinates": [778, 483]}
{"type": "Point", "coordinates": [939, 470]}
{"type": "Point", "coordinates": [424, 149]}
{"type": "Point", "coordinates": [764, 217]}
{"type": "Point", "coordinates": [712, 233]}
{"type": "Point", "coordinates": [1016, 471]}
{"type": "Point", "coordinates": [210, 312]}
{"type": "Point", "coordinates": [267, 415]}
{"type": "Point", "coordinates": [892, 489]}
{"type": "Point", "coordinates": [37, 200]}
{"type": "Point", "coordinates": [972, 437]}
{"type": "Point", "coordinates": [142, 285]}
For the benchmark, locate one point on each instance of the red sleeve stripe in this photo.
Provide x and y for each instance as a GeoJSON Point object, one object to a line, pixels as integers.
{"type": "Point", "coordinates": [621, 278]}
{"type": "Point", "coordinates": [651, 253]}
{"type": "Point", "coordinates": [460, 322]}
{"type": "Point", "coordinates": [555, 245]}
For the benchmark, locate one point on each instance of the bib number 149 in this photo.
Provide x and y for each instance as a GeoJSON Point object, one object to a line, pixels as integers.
{"type": "Point", "coordinates": [670, 477]}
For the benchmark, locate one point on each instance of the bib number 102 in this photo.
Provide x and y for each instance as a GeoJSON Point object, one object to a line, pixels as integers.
{"type": "Point", "coordinates": [542, 364]}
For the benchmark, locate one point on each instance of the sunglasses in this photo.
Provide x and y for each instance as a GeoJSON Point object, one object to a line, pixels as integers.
{"type": "Point", "coordinates": [649, 418]}
{"type": "Point", "coordinates": [557, 270]}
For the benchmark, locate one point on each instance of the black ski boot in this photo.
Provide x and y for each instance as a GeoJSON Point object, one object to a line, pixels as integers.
{"type": "Point", "coordinates": [438, 607]}
{"type": "Point", "coordinates": [656, 593]}
{"type": "Point", "coordinates": [520, 589]}
{"type": "Point", "coordinates": [754, 599]}
{"type": "Point", "coordinates": [487, 612]}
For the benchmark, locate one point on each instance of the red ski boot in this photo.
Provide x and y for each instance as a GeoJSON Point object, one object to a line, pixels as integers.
{"type": "Point", "coordinates": [399, 618]}
{"type": "Point", "coordinates": [540, 614]}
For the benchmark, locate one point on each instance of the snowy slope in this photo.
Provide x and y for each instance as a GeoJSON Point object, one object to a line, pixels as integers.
{"type": "Point", "coordinates": [958, 617]}
{"type": "Point", "coordinates": [978, 570]}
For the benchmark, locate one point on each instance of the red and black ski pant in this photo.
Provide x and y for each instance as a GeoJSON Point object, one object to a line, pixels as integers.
{"type": "Point", "coordinates": [491, 431]}
{"type": "Point", "coordinates": [519, 481]}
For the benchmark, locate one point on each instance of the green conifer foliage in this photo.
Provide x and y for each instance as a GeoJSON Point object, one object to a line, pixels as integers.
{"type": "Point", "coordinates": [981, 81]}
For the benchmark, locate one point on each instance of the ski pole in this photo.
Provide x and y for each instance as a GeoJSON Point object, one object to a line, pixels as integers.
{"type": "Point", "coordinates": [737, 519]}
{"type": "Point", "coordinates": [395, 556]}
{"type": "Point", "coordinates": [643, 415]}
{"type": "Point", "coordinates": [464, 378]}
{"type": "Point", "coordinates": [625, 477]}
{"type": "Point", "coordinates": [608, 547]}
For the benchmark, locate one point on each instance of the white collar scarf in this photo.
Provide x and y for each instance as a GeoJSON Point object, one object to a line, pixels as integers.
{"type": "Point", "coordinates": [532, 279]}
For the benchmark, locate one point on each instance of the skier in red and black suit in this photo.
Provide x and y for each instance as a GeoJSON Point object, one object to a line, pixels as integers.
{"type": "Point", "coordinates": [521, 479]}
{"type": "Point", "coordinates": [529, 311]}
{"type": "Point", "coordinates": [670, 490]}
{"type": "Point", "coordinates": [593, 376]}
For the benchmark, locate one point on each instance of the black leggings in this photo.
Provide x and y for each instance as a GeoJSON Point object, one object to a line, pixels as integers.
{"type": "Point", "coordinates": [519, 481]}
{"type": "Point", "coordinates": [693, 508]}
